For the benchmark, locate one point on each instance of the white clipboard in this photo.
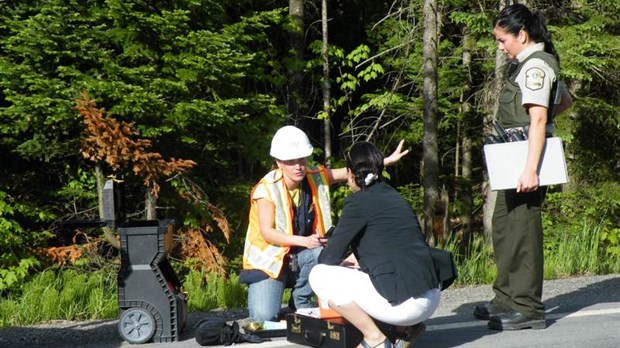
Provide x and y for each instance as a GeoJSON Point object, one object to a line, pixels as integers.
{"type": "Point", "coordinates": [506, 161]}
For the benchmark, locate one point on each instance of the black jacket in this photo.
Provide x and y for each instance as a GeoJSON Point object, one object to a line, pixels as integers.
{"type": "Point", "coordinates": [385, 236]}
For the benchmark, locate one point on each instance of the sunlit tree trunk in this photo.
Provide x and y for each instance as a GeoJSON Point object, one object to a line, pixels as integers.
{"type": "Point", "coordinates": [295, 73]}
{"type": "Point", "coordinates": [466, 141]}
{"type": "Point", "coordinates": [150, 204]}
{"type": "Point", "coordinates": [490, 196]}
{"type": "Point", "coordinates": [430, 164]}
{"type": "Point", "coordinates": [108, 233]}
{"type": "Point", "coordinates": [326, 87]}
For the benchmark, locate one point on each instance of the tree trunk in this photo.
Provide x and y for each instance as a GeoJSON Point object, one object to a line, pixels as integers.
{"type": "Point", "coordinates": [430, 164]}
{"type": "Point", "coordinates": [466, 141]}
{"type": "Point", "coordinates": [295, 74]}
{"type": "Point", "coordinates": [466, 197]}
{"type": "Point", "coordinates": [489, 203]}
{"type": "Point", "coordinates": [108, 233]}
{"type": "Point", "coordinates": [326, 87]}
{"type": "Point", "coordinates": [150, 204]}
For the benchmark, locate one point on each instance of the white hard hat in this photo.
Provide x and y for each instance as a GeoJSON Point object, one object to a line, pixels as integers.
{"type": "Point", "coordinates": [289, 143]}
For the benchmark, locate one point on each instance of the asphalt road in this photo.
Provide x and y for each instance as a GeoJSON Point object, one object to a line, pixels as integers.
{"type": "Point", "coordinates": [581, 312]}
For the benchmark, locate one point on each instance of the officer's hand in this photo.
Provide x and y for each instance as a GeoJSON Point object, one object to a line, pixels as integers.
{"type": "Point", "coordinates": [528, 182]}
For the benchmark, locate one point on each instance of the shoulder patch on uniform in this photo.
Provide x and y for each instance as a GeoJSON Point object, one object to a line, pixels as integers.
{"type": "Point", "coordinates": [534, 78]}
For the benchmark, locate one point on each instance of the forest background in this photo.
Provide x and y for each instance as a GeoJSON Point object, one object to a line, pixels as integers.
{"type": "Point", "coordinates": [180, 99]}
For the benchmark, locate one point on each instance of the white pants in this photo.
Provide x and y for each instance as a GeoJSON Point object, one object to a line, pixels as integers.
{"type": "Point", "coordinates": [343, 285]}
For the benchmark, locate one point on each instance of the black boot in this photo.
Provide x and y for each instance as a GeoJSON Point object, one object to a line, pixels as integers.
{"type": "Point", "coordinates": [487, 310]}
{"type": "Point", "coordinates": [514, 320]}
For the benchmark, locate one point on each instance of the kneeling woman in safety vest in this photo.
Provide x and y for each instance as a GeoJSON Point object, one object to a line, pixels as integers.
{"type": "Point", "coordinates": [290, 212]}
{"type": "Point", "coordinates": [391, 275]}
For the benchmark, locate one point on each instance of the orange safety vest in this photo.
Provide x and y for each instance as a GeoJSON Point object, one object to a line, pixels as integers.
{"type": "Point", "coordinates": [260, 254]}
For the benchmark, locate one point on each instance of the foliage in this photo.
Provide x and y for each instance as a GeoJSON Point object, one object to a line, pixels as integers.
{"type": "Point", "coordinates": [69, 254]}
{"type": "Point", "coordinates": [414, 195]}
{"type": "Point", "coordinates": [110, 141]}
{"type": "Point", "coordinates": [200, 253]}
{"type": "Point", "coordinates": [15, 261]}
{"type": "Point", "coordinates": [587, 216]}
{"type": "Point", "coordinates": [207, 291]}
{"type": "Point", "coordinates": [591, 130]}
{"type": "Point", "coordinates": [13, 276]}
{"type": "Point", "coordinates": [574, 252]}
{"type": "Point", "coordinates": [196, 79]}
{"type": "Point", "coordinates": [66, 294]}
{"type": "Point", "coordinates": [474, 261]}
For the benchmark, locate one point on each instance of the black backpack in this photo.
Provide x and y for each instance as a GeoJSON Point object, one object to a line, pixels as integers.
{"type": "Point", "coordinates": [216, 331]}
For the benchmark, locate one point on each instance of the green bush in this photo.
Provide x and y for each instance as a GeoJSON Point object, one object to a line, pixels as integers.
{"type": "Point", "coordinates": [15, 262]}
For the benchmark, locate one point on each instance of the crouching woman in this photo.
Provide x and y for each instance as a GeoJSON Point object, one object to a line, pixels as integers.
{"type": "Point", "coordinates": [390, 274]}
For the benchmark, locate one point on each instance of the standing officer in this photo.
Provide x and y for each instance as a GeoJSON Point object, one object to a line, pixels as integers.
{"type": "Point", "coordinates": [529, 101]}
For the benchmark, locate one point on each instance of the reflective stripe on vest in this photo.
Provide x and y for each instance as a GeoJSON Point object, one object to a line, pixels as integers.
{"type": "Point", "coordinates": [258, 253]}
{"type": "Point", "coordinates": [319, 186]}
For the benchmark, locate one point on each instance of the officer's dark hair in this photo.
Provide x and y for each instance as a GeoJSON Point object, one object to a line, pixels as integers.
{"type": "Point", "coordinates": [518, 17]}
{"type": "Point", "coordinates": [365, 158]}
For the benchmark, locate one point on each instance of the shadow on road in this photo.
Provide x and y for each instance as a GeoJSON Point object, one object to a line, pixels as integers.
{"type": "Point", "coordinates": [454, 330]}
{"type": "Point", "coordinates": [605, 291]}
{"type": "Point", "coordinates": [560, 301]}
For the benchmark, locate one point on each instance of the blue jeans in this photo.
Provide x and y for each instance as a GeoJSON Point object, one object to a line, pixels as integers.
{"type": "Point", "coordinates": [265, 296]}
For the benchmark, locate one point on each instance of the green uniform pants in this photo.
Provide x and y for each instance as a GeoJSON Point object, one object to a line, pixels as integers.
{"type": "Point", "coordinates": [518, 248]}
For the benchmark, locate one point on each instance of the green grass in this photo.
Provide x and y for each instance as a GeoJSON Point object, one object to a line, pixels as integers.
{"type": "Point", "coordinates": [212, 291]}
{"type": "Point", "coordinates": [62, 294]}
{"type": "Point", "coordinates": [575, 252]}
{"type": "Point", "coordinates": [570, 252]}
{"type": "Point", "coordinates": [475, 263]}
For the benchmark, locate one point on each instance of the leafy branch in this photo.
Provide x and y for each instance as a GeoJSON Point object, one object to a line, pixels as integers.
{"type": "Point", "coordinates": [113, 142]}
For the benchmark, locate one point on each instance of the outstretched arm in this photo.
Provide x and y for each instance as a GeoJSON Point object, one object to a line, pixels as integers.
{"type": "Point", "coordinates": [340, 174]}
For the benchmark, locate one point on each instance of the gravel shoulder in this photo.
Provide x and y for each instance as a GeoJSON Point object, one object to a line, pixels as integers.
{"type": "Point", "coordinates": [456, 302]}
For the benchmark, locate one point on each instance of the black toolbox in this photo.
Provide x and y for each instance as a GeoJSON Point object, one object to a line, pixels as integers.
{"type": "Point", "coordinates": [324, 333]}
{"type": "Point", "coordinates": [152, 306]}
{"type": "Point", "coordinates": [149, 297]}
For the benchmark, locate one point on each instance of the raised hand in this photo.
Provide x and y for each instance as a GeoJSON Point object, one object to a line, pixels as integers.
{"type": "Point", "coordinates": [396, 155]}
